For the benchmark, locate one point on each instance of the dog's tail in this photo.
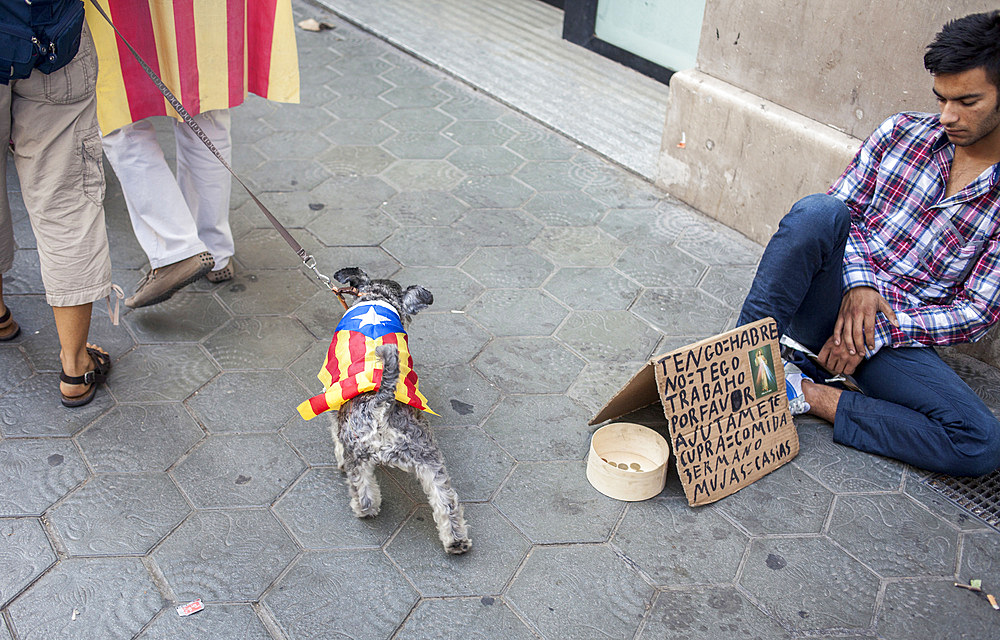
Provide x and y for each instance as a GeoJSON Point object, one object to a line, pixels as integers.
{"type": "Point", "coordinates": [389, 355]}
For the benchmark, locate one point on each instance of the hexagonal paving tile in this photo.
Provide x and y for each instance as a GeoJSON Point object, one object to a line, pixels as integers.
{"type": "Point", "coordinates": [507, 267]}
{"type": "Point", "coordinates": [550, 175]}
{"type": "Point", "coordinates": [608, 335]}
{"type": "Point", "coordinates": [580, 592]}
{"type": "Point", "coordinates": [565, 209]}
{"type": "Point", "coordinates": [643, 227]}
{"type": "Point", "coordinates": [460, 394]}
{"type": "Point", "coordinates": [406, 74]}
{"type": "Point", "coordinates": [476, 464]}
{"type": "Point", "coordinates": [479, 132]}
{"type": "Point", "coordinates": [161, 372]}
{"type": "Point", "coordinates": [843, 469]}
{"type": "Point", "coordinates": [980, 556]}
{"type": "Point", "coordinates": [417, 175]}
{"type": "Point", "coordinates": [528, 365]}
{"type": "Point", "coordinates": [720, 245]}
{"type": "Point", "coordinates": [577, 246]}
{"type": "Point", "coordinates": [32, 409]}
{"type": "Point", "coordinates": [353, 161]}
{"type": "Point", "coordinates": [26, 554]}
{"type": "Point", "coordinates": [452, 288]}
{"type": "Point", "coordinates": [539, 143]}
{"type": "Point", "coordinates": [485, 161]}
{"type": "Point", "coordinates": [424, 96]}
{"type": "Point", "coordinates": [259, 342]}
{"type": "Point", "coordinates": [941, 506]}
{"type": "Point", "coordinates": [292, 144]}
{"type": "Point", "coordinates": [808, 583]}
{"type": "Point", "coordinates": [224, 555]}
{"type": "Point", "coordinates": [358, 85]}
{"type": "Point", "coordinates": [429, 246]}
{"type": "Point", "coordinates": [786, 501]}
{"type": "Point", "coordinates": [468, 105]}
{"type": "Point", "coordinates": [112, 597]}
{"type": "Point", "coordinates": [354, 227]}
{"type": "Point", "coordinates": [661, 267]}
{"type": "Point", "coordinates": [247, 401]}
{"type": "Point", "coordinates": [330, 593]}
{"type": "Point", "coordinates": [318, 513]}
{"type": "Point", "coordinates": [266, 292]}
{"type": "Point", "coordinates": [932, 609]}
{"type": "Point", "coordinates": [682, 312]}
{"type": "Point", "coordinates": [894, 536]}
{"type": "Point", "coordinates": [517, 312]}
{"type": "Point", "coordinates": [14, 368]}
{"type": "Point", "coordinates": [428, 208]}
{"type": "Point", "coordinates": [187, 317]}
{"type": "Point", "coordinates": [593, 288]}
{"type": "Point", "coordinates": [416, 145]}
{"type": "Point", "coordinates": [358, 132]}
{"type": "Point", "coordinates": [600, 381]}
{"type": "Point", "coordinates": [358, 107]}
{"type": "Point", "coordinates": [229, 470]}
{"type": "Point", "coordinates": [553, 503]}
{"type": "Point", "coordinates": [219, 622]}
{"type": "Point", "coordinates": [729, 283]}
{"type": "Point", "coordinates": [43, 347]}
{"type": "Point", "coordinates": [538, 427]}
{"type": "Point", "coordinates": [708, 551]}
{"type": "Point", "coordinates": [311, 440]}
{"type": "Point", "coordinates": [498, 550]}
{"type": "Point", "coordinates": [445, 339]}
{"type": "Point", "coordinates": [417, 119]}
{"type": "Point", "coordinates": [354, 192]}
{"type": "Point", "coordinates": [723, 612]}
{"type": "Point", "coordinates": [287, 174]}
{"type": "Point", "coordinates": [499, 227]}
{"type": "Point", "coordinates": [118, 514]}
{"type": "Point", "coordinates": [36, 473]}
{"type": "Point", "coordinates": [493, 192]}
{"type": "Point", "coordinates": [139, 438]}
{"type": "Point", "coordinates": [474, 617]}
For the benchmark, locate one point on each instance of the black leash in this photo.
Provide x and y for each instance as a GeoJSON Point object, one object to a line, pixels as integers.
{"type": "Point", "coordinates": [307, 259]}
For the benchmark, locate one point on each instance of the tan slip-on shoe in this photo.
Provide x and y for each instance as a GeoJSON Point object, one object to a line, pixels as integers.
{"type": "Point", "coordinates": [221, 275]}
{"type": "Point", "coordinates": [162, 283]}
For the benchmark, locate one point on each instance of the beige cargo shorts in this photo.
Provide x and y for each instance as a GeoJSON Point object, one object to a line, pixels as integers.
{"type": "Point", "coordinates": [52, 121]}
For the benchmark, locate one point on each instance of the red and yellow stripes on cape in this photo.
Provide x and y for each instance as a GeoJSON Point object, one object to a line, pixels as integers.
{"type": "Point", "coordinates": [209, 53]}
{"type": "Point", "coordinates": [351, 368]}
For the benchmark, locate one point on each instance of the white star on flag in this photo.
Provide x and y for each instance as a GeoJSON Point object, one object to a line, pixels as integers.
{"type": "Point", "coordinates": [371, 317]}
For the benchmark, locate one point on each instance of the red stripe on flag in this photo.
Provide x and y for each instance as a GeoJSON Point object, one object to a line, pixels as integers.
{"type": "Point", "coordinates": [187, 54]}
{"type": "Point", "coordinates": [357, 343]}
{"type": "Point", "coordinates": [260, 31]}
{"type": "Point", "coordinates": [235, 20]}
{"type": "Point", "coordinates": [318, 404]}
{"type": "Point", "coordinates": [136, 25]}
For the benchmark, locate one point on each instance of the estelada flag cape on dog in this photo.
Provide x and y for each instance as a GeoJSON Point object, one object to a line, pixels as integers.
{"type": "Point", "coordinates": [351, 366]}
{"type": "Point", "coordinates": [209, 53]}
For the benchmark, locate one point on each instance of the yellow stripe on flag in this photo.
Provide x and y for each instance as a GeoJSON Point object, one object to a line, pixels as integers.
{"type": "Point", "coordinates": [162, 16]}
{"type": "Point", "coordinates": [213, 55]}
{"type": "Point", "coordinates": [283, 73]}
{"type": "Point", "coordinates": [112, 104]}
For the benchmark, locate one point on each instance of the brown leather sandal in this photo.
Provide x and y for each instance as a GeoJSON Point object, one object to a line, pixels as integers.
{"type": "Point", "coordinates": [94, 377]}
{"type": "Point", "coordinates": [8, 328]}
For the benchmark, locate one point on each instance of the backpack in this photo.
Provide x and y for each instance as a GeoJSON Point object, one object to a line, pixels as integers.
{"type": "Point", "coordinates": [40, 34]}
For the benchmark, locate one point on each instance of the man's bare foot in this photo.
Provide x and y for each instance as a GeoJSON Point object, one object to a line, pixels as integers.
{"type": "Point", "coordinates": [822, 399]}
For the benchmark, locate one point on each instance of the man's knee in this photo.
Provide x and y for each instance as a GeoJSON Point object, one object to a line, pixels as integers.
{"type": "Point", "coordinates": [984, 454]}
{"type": "Point", "coordinates": [820, 215]}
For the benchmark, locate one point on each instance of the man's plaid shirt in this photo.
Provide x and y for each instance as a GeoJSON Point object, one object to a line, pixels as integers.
{"type": "Point", "coordinates": [936, 260]}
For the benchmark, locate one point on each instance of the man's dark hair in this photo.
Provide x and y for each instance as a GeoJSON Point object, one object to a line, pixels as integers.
{"type": "Point", "coordinates": [967, 43]}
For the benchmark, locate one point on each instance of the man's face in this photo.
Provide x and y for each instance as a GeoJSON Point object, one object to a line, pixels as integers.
{"type": "Point", "coordinates": [970, 107]}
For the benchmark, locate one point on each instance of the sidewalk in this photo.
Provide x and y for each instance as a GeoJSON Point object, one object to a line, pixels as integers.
{"type": "Point", "coordinates": [556, 274]}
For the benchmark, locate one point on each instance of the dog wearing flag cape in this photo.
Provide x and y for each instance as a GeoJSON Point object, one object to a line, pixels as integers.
{"type": "Point", "coordinates": [368, 378]}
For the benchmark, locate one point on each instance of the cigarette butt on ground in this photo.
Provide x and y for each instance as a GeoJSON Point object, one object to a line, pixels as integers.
{"type": "Point", "coordinates": [993, 601]}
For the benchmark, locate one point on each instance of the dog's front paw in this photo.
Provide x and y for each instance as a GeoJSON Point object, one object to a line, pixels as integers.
{"type": "Point", "coordinates": [459, 547]}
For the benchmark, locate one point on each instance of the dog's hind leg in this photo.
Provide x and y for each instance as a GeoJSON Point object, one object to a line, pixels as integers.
{"type": "Point", "coordinates": [366, 496]}
{"type": "Point", "coordinates": [444, 503]}
{"type": "Point", "coordinates": [338, 446]}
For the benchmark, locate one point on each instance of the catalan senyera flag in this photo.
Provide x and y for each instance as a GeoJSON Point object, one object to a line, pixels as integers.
{"type": "Point", "coordinates": [209, 53]}
{"type": "Point", "coordinates": [351, 366]}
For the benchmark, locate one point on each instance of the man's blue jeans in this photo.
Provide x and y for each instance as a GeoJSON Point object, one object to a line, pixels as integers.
{"type": "Point", "coordinates": [914, 407]}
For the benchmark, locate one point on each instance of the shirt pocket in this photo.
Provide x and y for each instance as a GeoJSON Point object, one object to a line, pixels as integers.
{"type": "Point", "coordinates": [949, 257]}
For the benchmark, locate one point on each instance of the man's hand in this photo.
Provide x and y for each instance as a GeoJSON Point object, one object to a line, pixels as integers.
{"type": "Point", "coordinates": [838, 359]}
{"type": "Point", "coordinates": [855, 327]}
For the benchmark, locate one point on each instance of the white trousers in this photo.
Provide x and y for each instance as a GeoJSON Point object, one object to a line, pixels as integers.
{"type": "Point", "coordinates": [176, 217]}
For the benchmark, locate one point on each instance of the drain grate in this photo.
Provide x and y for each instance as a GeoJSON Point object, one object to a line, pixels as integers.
{"type": "Point", "coordinates": [979, 496]}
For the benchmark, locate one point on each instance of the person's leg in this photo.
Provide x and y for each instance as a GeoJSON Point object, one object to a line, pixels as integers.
{"type": "Point", "coordinates": [161, 219]}
{"type": "Point", "coordinates": [918, 410]}
{"type": "Point", "coordinates": [53, 119]}
{"type": "Point", "coordinates": [205, 183]}
{"type": "Point", "coordinates": [799, 278]}
{"type": "Point", "coordinates": [8, 327]}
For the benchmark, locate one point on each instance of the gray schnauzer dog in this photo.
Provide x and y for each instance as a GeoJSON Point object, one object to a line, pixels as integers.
{"type": "Point", "coordinates": [386, 425]}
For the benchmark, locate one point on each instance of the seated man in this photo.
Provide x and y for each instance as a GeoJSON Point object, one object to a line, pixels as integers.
{"type": "Point", "coordinates": [902, 254]}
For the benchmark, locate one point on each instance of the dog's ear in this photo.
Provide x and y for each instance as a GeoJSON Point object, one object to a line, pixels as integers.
{"type": "Point", "coordinates": [415, 299]}
{"type": "Point", "coordinates": [352, 277]}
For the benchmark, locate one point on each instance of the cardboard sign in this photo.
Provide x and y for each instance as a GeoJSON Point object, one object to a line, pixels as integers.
{"type": "Point", "coordinates": [726, 408]}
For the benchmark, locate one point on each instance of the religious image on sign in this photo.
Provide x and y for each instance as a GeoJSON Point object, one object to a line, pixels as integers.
{"type": "Point", "coordinates": [762, 366]}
